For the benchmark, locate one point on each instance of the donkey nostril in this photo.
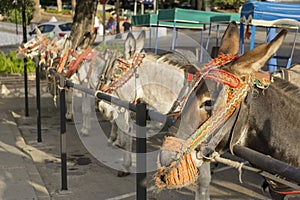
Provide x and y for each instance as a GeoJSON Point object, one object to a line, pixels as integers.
{"type": "Point", "coordinates": [167, 157]}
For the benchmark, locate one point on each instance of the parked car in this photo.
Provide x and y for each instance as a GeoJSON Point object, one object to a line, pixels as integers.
{"type": "Point", "coordinates": [53, 29]}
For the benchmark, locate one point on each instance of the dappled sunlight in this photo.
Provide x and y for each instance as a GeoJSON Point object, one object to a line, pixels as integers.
{"type": "Point", "coordinates": [5, 121]}
{"type": "Point", "coordinates": [12, 149]}
{"type": "Point", "coordinates": [40, 156]}
{"type": "Point", "coordinates": [15, 115]}
{"type": "Point", "coordinates": [40, 188]}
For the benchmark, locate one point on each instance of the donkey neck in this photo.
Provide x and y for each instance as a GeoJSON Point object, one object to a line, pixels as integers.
{"type": "Point", "coordinates": [273, 121]}
{"type": "Point", "coordinates": [156, 75]}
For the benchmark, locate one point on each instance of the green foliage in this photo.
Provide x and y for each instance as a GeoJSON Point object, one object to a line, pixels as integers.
{"type": "Point", "coordinates": [103, 46]}
{"type": "Point", "coordinates": [13, 12]}
{"type": "Point", "coordinates": [229, 4]}
{"type": "Point", "coordinates": [55, 11]}
{"type": "Point", "coordinates": [10, 64]}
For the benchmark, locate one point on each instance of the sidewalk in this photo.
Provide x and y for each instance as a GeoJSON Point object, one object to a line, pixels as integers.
{"type": "Point", "coordinates": [19, 178]}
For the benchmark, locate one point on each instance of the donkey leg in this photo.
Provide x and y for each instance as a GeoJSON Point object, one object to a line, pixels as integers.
{"type": "Point", "coordinates": [126, 142]}
{"type": "Point", "coordinates": [113, 133]}
{"type": "Point", "coordinates": [69, 104]}
{"type": "Point", "coordinates": [202, 189]}
{"type": "Point", "coordinates": [86, 112]}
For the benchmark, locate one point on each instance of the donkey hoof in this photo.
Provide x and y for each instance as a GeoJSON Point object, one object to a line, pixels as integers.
{"type": "Point", "coordinates": [84, 132]}
{"type": "Point", "coordinates": [117, 144]}
{"type": "Point", "coordinates": [68, 117]}
{"type": "Point", "coordinates": [123, 174]}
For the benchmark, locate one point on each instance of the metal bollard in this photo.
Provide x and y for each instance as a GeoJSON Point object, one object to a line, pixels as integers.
{"type": "Point", "coordinates": [63, 135]}
{"type": "Point", "coordinates": [141, 150]}
{"type": "Point", "coordinates": [26, 87]}
{"type": "Point", "coordinates": [38, 99]}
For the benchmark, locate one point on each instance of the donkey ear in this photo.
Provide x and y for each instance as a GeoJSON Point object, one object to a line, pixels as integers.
{"type": "Point", "coordinates": [130, 47]}
{"type": "Point", "coordinates": [255, 59]}
{"type": "Point", "coordinates": [230, 41]}
{"type": "Point", "coordinates": [140, 41]}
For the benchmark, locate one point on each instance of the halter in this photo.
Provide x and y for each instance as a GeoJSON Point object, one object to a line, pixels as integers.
{"type": "Point", "coordinates": [236, 91]}
{"type": "Point", "coordinates": [41, 43]}
{"type": "Point", "coordinates": [210, 71]}
{"type": "Point", "coordinates": [123, 72]}
{"type": "Point", "coordinates": [178, 173]}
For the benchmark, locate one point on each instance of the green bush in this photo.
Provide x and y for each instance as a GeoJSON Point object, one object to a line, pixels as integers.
{"type": "Point", "coordinates": [54, 11]}
{"type": "Point", "coordinates": [13, 12]}
{"type": "Point", "coordinates": [229, 4]}
{"type": "Point", "coordinates": [10, 64]}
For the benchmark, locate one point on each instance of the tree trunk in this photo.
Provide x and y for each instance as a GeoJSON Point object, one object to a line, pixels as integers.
{"type": "Point", "coordinates": [82, 33]}
{"type": "Point", "coordinates": [37, 12]}
{"type": "Point", "coordinates": [200, 5]}
{"type": "Point", "coordinates": [73, 3]}
{"type": "Point", "coordinates": [59, 5]}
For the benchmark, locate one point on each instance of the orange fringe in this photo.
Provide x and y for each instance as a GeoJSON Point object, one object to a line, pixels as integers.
{"type": "Point", "coordinates": [180, 173]}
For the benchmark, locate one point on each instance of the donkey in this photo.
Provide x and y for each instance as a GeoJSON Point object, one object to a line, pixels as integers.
{"type": "Point", "coordinates": [141, 76]}
{"type": "Point", "coordinates": [50, 53]}
{"type": "Point", "coordinates": [262, 117]}
{"type": "Point", "coordinates": [69, 63]}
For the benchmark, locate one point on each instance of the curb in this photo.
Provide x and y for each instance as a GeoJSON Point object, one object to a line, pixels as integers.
{"type": "Point", "coordinates": [35, 178]}
{"type": "Point", "coordinates": [12, 85]}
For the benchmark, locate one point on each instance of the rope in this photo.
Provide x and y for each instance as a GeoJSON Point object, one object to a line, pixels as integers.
{"type": "Point", "coordinates": [239, 166]}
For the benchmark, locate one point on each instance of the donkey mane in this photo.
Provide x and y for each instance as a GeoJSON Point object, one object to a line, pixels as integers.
{"type": "Point", "coordinates": [175, 59]}
{"type": "Point", "coordinates": [287, 89]}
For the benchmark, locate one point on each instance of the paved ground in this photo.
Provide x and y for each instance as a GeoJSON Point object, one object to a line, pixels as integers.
{"type": "Point", "coordinates": [40, 177]}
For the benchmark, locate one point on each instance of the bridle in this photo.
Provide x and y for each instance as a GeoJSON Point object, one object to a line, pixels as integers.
{"type": "Point", "coordinates": [122, 72]}
{"type": "Point", "coordinates": [235, 90]}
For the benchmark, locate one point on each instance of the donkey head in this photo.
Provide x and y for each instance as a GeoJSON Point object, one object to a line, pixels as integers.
{"type": "Point", "coordinates": [31, 48]}
{"type": "Point", "coordinates": [209, 96]}
{"type": "Point", "coordinates": [133, 46]}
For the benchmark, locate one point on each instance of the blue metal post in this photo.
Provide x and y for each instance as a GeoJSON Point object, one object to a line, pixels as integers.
{"type": "Point", "coordinates": [242, 45]}
{"type": "Point", "coordinates": [156, 39]}
{"type": "Point", "coordinates": [217, 37]}
{"type": "Point", "coordinates": [208, 37]}
{"type": "Point", "coordinates": [174, 36]}
{"type": "Point", "coordinates": [272, 64]}
{"type": "Point", "coordinates": [252, 37]}
{"type": "Point", "coordinates": [202, 44]}
{"type": "Point", "coordinates": [288, 65]}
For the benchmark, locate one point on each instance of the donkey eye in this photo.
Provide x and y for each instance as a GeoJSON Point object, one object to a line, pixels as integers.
{"type": "Point", "coordinates": [207, 105]}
